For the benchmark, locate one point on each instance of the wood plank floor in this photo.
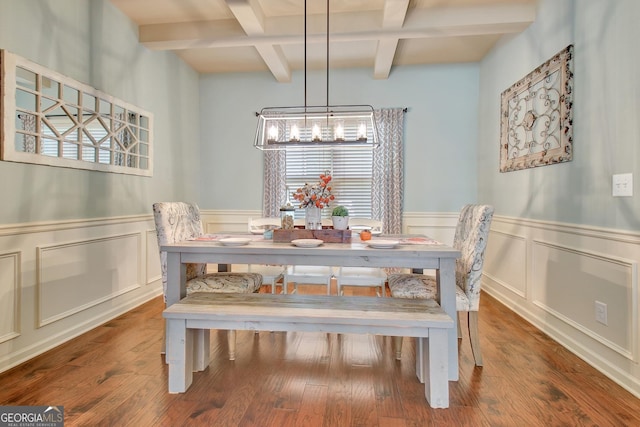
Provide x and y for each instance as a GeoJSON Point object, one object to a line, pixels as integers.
{"type": "Point", "coordinates": [114, 375]}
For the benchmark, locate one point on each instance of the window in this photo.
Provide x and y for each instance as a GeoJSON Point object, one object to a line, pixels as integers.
{"type": "Point", "coordinates": [53, 120]}
{"type": "Point", "coordinates": [354, 171]}
{"type": "Point", "coordinates": [351, 169]}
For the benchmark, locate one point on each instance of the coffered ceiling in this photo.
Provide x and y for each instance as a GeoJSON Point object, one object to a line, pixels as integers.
{"type": "Point", "coordinates": [214, 36]}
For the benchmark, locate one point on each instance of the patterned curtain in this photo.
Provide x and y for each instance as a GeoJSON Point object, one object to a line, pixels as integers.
{"type": "Point", "coordinates": [122, 142]}
{"type": "Point", "coordinates": [28, 124]}
{"type": "Point", "coordinates": [274, 192]}
{"type": "Point", "coordinates": [388, 179]}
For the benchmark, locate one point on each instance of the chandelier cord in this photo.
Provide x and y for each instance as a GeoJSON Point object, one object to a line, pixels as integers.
{"type": "Point", "coordinates": [327, 56]}
{"type": "Point", "coordinates": [305, 56]}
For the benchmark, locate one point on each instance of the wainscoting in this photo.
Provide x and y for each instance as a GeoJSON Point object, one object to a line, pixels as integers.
{"type": "Point", "coordinates": [58, 280]}
{"type": "Point", "coordinates": [61, 279]}
{"type": "Point", "coordinates": [553, 274]}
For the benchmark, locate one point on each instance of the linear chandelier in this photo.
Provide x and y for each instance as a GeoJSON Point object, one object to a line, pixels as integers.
{"type": "Point", "coordinates": [326, 126]}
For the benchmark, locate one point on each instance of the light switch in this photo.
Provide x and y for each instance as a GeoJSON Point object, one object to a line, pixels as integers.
{"type": "Point", "coordinates": [623, 185]}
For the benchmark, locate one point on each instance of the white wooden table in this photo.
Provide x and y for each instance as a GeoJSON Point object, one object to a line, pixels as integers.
{"type": "Point", "coordinates": [356, 254]}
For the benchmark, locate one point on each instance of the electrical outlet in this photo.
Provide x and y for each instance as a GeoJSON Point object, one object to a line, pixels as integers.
{"type": "Point", "coordinates": [601, 312]}
{"type": "Point", "coordinates": [622, 185]}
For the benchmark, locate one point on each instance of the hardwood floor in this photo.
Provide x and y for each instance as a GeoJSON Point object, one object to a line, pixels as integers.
{"type": "Point", "coordinates": [114, 375]}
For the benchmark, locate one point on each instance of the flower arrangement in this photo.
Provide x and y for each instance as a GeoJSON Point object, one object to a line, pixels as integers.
{"type": "Point", "coordinates": [318, 195]}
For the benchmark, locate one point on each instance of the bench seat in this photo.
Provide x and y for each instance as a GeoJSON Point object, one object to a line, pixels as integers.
{"type": "Point", "coordinates": [189, 322]}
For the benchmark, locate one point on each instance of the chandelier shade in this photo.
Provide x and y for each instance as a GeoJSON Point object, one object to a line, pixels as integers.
{"type": "Point", "coordinates": [327, 126]}
{"type": "Point", "coordinates": [281, 128]}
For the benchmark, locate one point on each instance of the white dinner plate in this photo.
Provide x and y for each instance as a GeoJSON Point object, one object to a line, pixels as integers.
{"type": "Point", "coordinates": [307, 243]}
{"type": "Point", "coordinates": [235, 241]}
{"type": "Point", "coordinates": [382, 244]}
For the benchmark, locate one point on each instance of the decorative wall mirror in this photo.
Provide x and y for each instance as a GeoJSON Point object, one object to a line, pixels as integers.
{"type": "Point", "coordinates": [53, 120]}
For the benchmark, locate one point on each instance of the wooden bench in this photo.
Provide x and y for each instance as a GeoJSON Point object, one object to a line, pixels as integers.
{"type": "Point", "coordinates": [189, 322]}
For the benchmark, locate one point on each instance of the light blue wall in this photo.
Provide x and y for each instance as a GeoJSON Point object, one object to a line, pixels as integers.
{"type": "Point", "coordinates": [606, 115]}
{"type": "Point", "coordinates": [92, 42]}
{"type": "Point", "coordinates": [440, 129]}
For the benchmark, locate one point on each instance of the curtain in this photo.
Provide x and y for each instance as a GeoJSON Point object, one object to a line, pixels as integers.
{"type": "Point", "coordinates": [123, 140]}
{"type": "Point", "coordinates": [274, 192]}
{"type": "Point", "coordinates": [387, 191]}
{"type": "Point", "coordinates": [387, 174]}
{"type": "Point", "coordinates": [29, 125]}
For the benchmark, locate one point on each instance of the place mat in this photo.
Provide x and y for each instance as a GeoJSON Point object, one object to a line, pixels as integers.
{"type": "Point", "coordinates": [418, 241]}
{"type": "Point", "coordinates": [215, 237]}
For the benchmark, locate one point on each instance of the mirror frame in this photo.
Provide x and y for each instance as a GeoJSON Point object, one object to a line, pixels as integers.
{"type": "Point", "coordinates": [124, 144]}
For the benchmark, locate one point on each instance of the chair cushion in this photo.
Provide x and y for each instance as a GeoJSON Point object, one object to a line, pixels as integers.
{"type": "Point", "coordinates": [240, 283]}
{"type": "Point", "coordinates": [422, 287]}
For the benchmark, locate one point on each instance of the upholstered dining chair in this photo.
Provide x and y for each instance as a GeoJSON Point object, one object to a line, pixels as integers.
{"type": "Point", "coordinates": [271, 274]}
{"type": "Point", "coordinates": [362, 276]}
{"type": "Point", "coordinates": [358, 224]}
{"type": "Point", "coordinates": [178, 221]}
{"type": "Point", "coordinates": [471, 235]}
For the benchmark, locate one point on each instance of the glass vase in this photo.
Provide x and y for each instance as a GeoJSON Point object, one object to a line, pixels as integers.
{"type": "Point", "coordinates": [312, 218]}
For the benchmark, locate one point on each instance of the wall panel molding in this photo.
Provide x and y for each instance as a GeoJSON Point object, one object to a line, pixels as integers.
{"type": "Point", "coordinates": [567, 268]}
{"type": "Point", "coordinates": [74, 224]}
{"type": "Point", "coordinates": [10, 289]}
{"type": "Point", "coordinates": [69, 277]}
{"type": "Point", "coordinates": [152, 252]}
{"type": "Point", "coordinates": [613, 274]}
{"type": "Point", "coordinates": [506, 253]}
{"type": "Point", "coordinates": [75, 276]}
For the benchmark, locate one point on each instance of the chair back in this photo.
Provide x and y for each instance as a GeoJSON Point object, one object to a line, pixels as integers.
{"type": "Point", "coordinates": [175, 222]}
{"type": "Point", "coordinates": [374, 225]}
{"type": "Point", "coordinates": [259, 225]}
{"type": "Point", "coordinates": [471, 236]}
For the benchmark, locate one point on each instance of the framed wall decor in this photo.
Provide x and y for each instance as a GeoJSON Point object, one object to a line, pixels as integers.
{"type": "Point", "coordinates": [536, 127]}
{"type": "Point", "coordinates": [50, 119]}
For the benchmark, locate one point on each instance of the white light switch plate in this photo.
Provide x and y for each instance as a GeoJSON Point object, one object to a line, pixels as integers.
{"type": "Point", "coordinates": [623, 185]}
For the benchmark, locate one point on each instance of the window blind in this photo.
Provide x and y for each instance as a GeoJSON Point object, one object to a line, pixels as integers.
{"type": "Point", "coordinates": [351, 171]}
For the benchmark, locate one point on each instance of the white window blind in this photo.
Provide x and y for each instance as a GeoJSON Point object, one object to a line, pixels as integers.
{"type": "Point", "coordinates": [350, 169]}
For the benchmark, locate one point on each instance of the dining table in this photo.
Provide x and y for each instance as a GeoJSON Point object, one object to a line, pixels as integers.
{"type": "Point", "coordinates": [414, 252]}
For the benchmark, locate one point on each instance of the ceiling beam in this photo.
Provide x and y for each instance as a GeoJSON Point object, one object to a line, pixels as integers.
{"type": "Point", "coordinates": [251, 28]}
{"type": "Point", "coordinates": [251, 18]}
{"type": "Point", "coordinates": [393, 17]}
{"type": "Point", "coordinates": [460, 21]}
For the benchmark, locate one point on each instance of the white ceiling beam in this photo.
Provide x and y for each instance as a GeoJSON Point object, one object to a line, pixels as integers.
{"type": "Point", "coordinates": [384, 58]}
{"type": "Point", "coordinates": [394, 13]}
{"type": "Point", "coordinates": [249, 15]}
{"type": "Point", "coordinates": [251, 18]}
{"type": "Point", "coordinates": [421, 23]}
{"type": "Point", "coordinates": [393, 17]}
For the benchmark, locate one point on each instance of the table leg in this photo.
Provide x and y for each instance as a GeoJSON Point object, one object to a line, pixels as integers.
{"type": "Point", "coordinates": [447, 299]}
{"type": "Point", "coordinates": [176, 273]}
{"type": "Point", "coordinates": [420, 359]}
{"type": "Point", "coordinates": [176, 278]}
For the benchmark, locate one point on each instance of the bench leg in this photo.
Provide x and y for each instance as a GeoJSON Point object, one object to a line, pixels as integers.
{"type": "Point", "coordinates": [201, 344]}
{"type": "Point", "coordinates": [179, 355]}
{"type": "Point", "coordinates": [435, 367]}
